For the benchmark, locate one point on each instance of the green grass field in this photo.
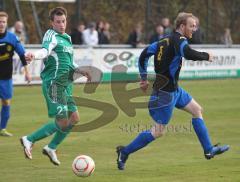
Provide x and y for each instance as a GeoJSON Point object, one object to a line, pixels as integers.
{"type": "Point", "coordinates": [175, 157]}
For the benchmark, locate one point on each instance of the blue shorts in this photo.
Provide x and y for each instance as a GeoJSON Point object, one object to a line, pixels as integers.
{"type": "Point", "coordinates": [161, 104]}
{"type": "Point", "coordinates": [6, 89]}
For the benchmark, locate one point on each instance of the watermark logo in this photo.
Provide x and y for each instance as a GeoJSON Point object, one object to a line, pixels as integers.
{"type": "Point", "coordinates": [122, 96]}
{"type": "Point", "coordinates": [140, 127]}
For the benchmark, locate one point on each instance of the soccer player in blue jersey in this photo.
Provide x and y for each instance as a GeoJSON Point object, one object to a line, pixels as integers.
{"type": "Point", "coordinates": [166, 94]}
{"type": "Point", "coordinates": [8, 44]}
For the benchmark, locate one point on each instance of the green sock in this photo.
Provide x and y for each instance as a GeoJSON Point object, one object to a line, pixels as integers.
{"type": "Point", "coordinates": [45, 131]}
{"type": "Point", "coordinates": [59, 137]}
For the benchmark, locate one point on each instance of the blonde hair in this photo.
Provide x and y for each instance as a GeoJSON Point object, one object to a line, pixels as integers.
{"type": "Point", "coordinates": [3, 14]}
{"type": "Point", "coordinates": [182, 19]}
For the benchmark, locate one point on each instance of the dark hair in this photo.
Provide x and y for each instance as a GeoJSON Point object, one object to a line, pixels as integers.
{"type": "Point", "coordinates": [3, 14]}
{"type": "Point", "coordinates": [57, 11]}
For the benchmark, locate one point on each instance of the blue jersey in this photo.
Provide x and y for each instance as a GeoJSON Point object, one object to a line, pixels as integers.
{"type": "Point", "coordinates": [8, 44]}
{"type": "Point", "coordinates": [168, 53]}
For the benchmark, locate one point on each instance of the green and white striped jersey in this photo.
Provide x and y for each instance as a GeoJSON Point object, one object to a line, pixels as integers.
{"type": "Point", "coordinates": [59, 62]}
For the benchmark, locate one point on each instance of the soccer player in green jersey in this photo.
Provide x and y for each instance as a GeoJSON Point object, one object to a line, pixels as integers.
{"type": "Point", "coordinates": [57, 78]}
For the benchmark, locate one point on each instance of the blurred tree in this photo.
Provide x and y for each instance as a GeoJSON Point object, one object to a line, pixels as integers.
{"type": "Point", "coordinates": [122, 15]}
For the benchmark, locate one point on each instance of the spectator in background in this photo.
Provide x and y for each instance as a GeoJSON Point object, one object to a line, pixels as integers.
{"type": "Point", "coordinates": [198, 35]}
{"type": "Point", "coordinates": [103, 32]}
{"type": "Point", "coordinates": [77, 34]}
{"type": "Point", "coordinates": [106, 35]}
{"type": "Point", "coordinates": [18, 30]}
{"type": "Point", "coordinates": [158, 34]}
{"type": "Point", "coordinates": [99, 28]}
{"type": "Point", "coordinates": [166, 25]}
{"type": "Point", "coordinates": [227, 38]}
{"type": "Point", "coordinates": [90, 35]}
{"type": "Point", "coordinates": [135, 38]}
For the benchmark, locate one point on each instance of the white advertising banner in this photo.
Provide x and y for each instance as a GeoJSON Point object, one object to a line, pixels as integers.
{"type": "Point", "coordinates": [102, 61]}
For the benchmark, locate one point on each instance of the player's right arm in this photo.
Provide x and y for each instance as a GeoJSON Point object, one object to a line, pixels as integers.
{"type": "Point", "coordinates": [48, 44]}
{"type": "Point", "coordinates": [143, 63]}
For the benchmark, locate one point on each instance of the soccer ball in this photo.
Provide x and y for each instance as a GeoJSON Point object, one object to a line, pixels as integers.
{"type": "Point", "coordinates": [83, 166]}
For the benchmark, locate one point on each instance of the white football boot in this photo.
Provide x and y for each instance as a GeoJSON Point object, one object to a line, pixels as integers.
{"type": "Point", "coordinates": [27, 147]}
{"type": "Point", "coordinates": [51, 153]}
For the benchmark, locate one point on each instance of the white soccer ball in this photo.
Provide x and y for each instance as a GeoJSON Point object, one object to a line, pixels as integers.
{"type": "Point", "coordinates": [83, 166]}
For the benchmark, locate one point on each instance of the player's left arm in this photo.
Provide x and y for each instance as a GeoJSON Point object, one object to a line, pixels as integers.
{"type": "Point", "coordinates": [194, 55]}
{"type": "Point", "coordinates": [79, 70]}
{"type": "Point", "coordinates": [21, 53]}
{"type": "Point", "coordinates": [87, 75]}
{"type": "Point", "coordinates": [187, 52]}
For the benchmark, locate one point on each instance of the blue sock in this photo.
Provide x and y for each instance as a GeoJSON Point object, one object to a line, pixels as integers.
{"type": "Point", "coordinates": [202, 133]}
{"type": "Point", "coordinates": [5, 114]}
{"type": "Point", "coordinates": [141, 141]}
